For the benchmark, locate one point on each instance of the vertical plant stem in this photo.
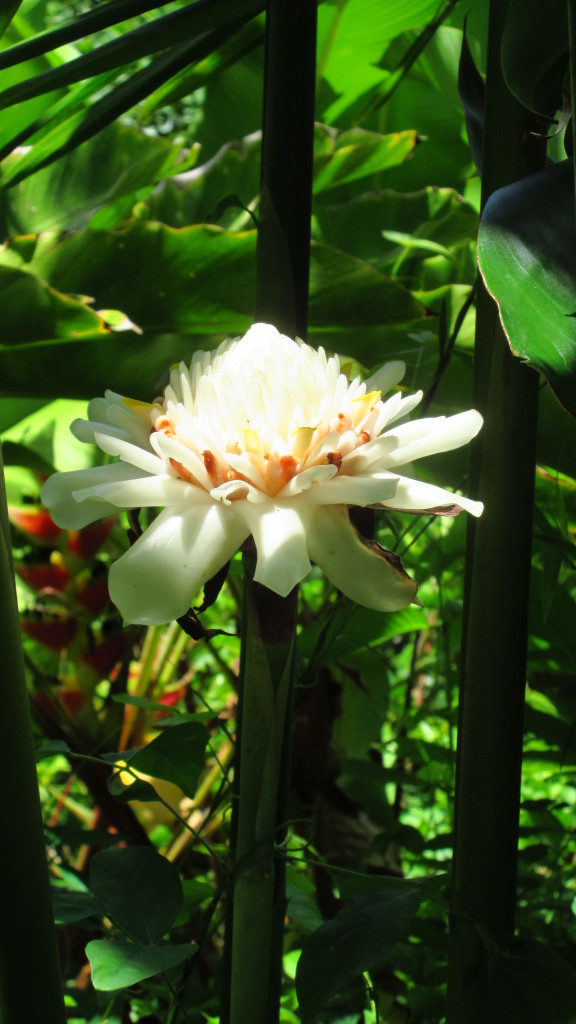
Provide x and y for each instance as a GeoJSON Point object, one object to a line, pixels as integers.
{"type": "Point", "coordinates": [496, 613]}
{"type": "Point", "coordinates": [572, 44]}
{"type": "Point", "coordinates": [30, 985]}
{"type": "Point", "coordinates": [255, 926]}
{"type": "Point", "coordinates": [283, 254]}
{"type": "Point", "coordinates": [258, 873]}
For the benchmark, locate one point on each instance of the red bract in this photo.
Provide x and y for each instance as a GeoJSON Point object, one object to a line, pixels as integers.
{"type": "Point", "coordinates": [43, 577]}
{"type": "Point", "coordinates": [105, 655]}
{"type": "Point", "coordinates": [85, 543]}
{"type": "Point", "coordinates": [94, 596]}
{"type": "Point", "coordinates": [36, 522]}
{"type": "Point", "coordinates": [56, 635]}
{"type": "Point", "coordinates": [72, 700]}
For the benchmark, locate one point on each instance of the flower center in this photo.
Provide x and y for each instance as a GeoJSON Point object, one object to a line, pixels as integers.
{"type": "Point", "coordinates": [240, 419]}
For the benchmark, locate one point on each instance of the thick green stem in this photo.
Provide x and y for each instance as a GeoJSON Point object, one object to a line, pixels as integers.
{"type": "Point", "coordinates": [258, 870]}
{"type": "Point", "coordinates": [255, 926]}
{"type": "Point", "coordinates": [30, 985]}
{"type": "Point", "coordinates": [496, 613]}
{"type": "Point", "coordinates": [283, 256]}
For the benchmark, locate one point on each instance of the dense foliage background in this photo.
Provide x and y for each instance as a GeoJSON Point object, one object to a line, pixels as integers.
{"type": "Point", "coordinates": [128, 214]}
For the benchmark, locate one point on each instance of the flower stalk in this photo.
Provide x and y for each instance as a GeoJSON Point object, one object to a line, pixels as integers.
{"type": "Point", "coordinates": [258, 884]}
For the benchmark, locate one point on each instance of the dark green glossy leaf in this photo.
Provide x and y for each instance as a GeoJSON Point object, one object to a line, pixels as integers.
{"type": "Point", "coordinates": [117, 965]}
{"type": "Point", "coordinates": [175, 755]}
{"type": "Point", "coordinates": [140, 890]}
{"type": "Point", "coordinates": [529, 983]}
{"type": "Point", "coordinates": [70, 906]}
{"type": "Point", "coordinates": [472, 90]}
{"type": "Point", "coordinates": [526, 254]}
{"type": "Point", "coordinates": [359, 938]}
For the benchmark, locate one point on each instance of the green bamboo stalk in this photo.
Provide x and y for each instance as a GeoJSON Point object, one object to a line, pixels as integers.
{"type": "Point", "coordinates": [30, 984]}
{"type": "Point", "coordinates": [253, 957]}
{"type": "Point", "coordinates": [496, 608]}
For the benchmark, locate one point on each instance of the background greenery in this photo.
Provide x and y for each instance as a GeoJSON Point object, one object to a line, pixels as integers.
{"type": "Point", "coordinates": [128, 211]}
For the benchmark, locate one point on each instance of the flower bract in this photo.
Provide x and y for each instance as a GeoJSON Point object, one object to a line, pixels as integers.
{"type": "Point", "coordinates": [264, 437]}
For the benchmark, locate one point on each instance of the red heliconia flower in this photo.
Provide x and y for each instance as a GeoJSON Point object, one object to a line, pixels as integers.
{"type": "Point", "coordinates": [85, 543]}
{"type": "Point", "coordinates": [94, 596]}
{"type": "Point", "coordinates": [56, 634]}
{"type": "Point", "coordinates": [71, 700]}
{"type": "Point", "coordinates": [36, 521]}
{"type": "Point", "coordinates": [105, 654]}
{"type": "Point", "coordinates": [43, 577]}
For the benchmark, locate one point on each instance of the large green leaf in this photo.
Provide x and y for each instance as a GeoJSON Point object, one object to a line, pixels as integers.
{"type": "Point", "coordinates": [358, 154]}
{"type": "Point", "coordinates": [31, 309]}
{"type": "Point", "coordinates": [526, 254]}
{"type": "Point", "coordinates": [140, 890]}
{"type": "Point", "coordinates": [359, 938]}
{"type": "Point", "coordinates": [119, 164]}
{"type": "Point", "coordinates": [198, 282]}
{"type": "Point", "coordinates": [353, 37]}
{"type": "Point", "coordinates": [117, 965]}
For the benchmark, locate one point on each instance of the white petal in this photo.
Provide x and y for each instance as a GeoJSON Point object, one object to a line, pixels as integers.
{"type": "Point", "coordinates": [146, 492]}
{"type": "Point", "coordinates": [415, 496]}
{"type": "Point", "coordinates": [386, 377]}
{"type": "Point", "coordinates": [303, 481]}
{"type": "Point", "coordinates": [58, 494]}
{"type": "Point", "coordinates": [85, 430]}
{"type": "Point", "coordinates": [372, 456]}
{"type": "Point", "coordinates": [359, 568]}
{"type": "Point", "coordinates": [155, 581]}
{"type": "Point", "coordinates": [132, 454]}
{"type": "Point", "coordinates": [238, 489]}
{"type": "Point", "coordinates": [170, 448]}
{"type": "Point", "coordinates": [353, 490]}
{"type": "Point", "coordinates": [242, 464]}
{"type": "Point", "coordinates": [428, 437]}
{"type": "Point", "coordinates": [279, 533]}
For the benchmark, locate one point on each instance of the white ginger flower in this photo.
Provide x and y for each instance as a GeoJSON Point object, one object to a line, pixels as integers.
{"type": "Point", "coordinates": [263, 437]}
